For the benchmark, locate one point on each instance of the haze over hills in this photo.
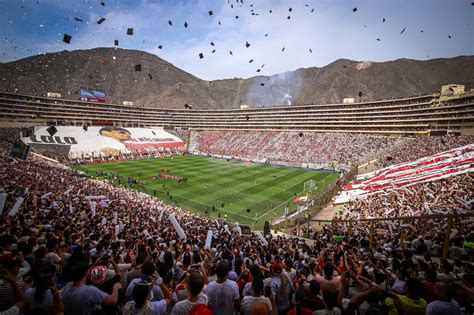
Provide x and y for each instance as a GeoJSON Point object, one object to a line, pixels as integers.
{"type": "Point", "coordinates": [161, 84]}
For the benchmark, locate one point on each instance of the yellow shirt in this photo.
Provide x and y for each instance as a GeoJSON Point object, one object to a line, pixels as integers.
{"type": "Point", "coordinates": [411, 307]}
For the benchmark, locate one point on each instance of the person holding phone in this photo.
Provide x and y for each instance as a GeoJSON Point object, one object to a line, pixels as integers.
{"type": "Point", "coordinates": [82, 299]}
{"type": "Point", "coordinates": [44, 295]}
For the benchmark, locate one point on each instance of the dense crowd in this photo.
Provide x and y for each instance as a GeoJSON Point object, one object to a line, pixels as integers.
{"type": "Point", "coordinates": [81, 246]}
{"type": "Point", "coordinates": [321, 150]}
{"type": "Point", "coordinates": [420, 147]}
{"type": "Point", "coordinates": [180, 133]}
{"type": "Point", "coordinates": [454, 195]}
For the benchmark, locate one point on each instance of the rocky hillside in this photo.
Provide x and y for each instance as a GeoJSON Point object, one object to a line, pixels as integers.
{"type": "Point", "coordinates": [161, 84]}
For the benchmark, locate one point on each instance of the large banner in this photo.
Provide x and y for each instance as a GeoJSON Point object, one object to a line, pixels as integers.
{"type": "Point", "coordinates": [431, 168]}
{"type": "Point", "coordinates": [93, 95]}
{"type": "Point", "coordinates": [75, 142]}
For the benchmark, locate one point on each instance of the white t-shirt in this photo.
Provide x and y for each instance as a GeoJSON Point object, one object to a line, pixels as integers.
{"type": "Point", "coordinates": [334, 311]}
{"type": "Point", "coordinates": [249, 302]}
{"type": "Point", "coordinates": [444, 308]}
{"type": "Point", "coordinates": [14, 310]}
{"type": "Point", "coordinates": [183, 307]}
{"type": "Point", "coordinates": [291, 274]}
{"type": "Point", "coordinates": [222, 296]}
{"type": "Point", "coordinates": [47, 304]}
{"type": "Point", "coordinates": [152, 308]}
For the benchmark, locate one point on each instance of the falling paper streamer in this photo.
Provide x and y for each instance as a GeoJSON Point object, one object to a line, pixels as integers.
{"type": "Point", "coordinates": [67, 192]}
{"type": "Point", "coordinates": [3, 198]}
{"type": "Point", "coordinates": [239, 230]}
{"type": "Point", "coordinates": [16, 206]}
{"type": "Point", "coordinates": [94, 197]}
{"type": "Point", "coordinates": [145, 232]}
{"type": "Point", "coordinates": [217, 223]}
{"type": "Point", "coordinates": [262, 239]}
{"type": "Point", "coordinates": [115, 218]}
{"type": "Point", "coordinates": [93, 206]}
{"type": "Point", "coordinates": [104, 221]}
{"type": "Point", "coordinates": [161, 215]}
{"type": "Point", "coordinates": [177, 227]}
{"type": "Point", "coordinates": [46, 195]}
{"type": "Point", "coordinates": [70, 208]}
{"type": "Point", "coordinates": [208, 239]}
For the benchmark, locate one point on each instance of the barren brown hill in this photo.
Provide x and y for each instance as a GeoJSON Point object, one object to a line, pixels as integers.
{"type": "Point", "coordinates": [161, 84]}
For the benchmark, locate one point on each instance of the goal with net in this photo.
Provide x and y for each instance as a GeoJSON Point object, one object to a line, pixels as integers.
{"type": "Point", "coordinates": [309, 185]}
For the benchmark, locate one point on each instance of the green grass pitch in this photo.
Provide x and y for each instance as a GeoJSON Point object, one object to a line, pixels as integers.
{"type": "Point", "coordinates": [231, 187]}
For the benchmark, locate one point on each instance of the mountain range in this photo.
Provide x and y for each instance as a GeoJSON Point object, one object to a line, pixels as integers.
{"type": "Point", "coordinates": [161, 84]}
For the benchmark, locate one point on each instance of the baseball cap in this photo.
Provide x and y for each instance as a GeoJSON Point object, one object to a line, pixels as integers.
{"type": "Point", "coordinates": [98, 274]}
{"type": "Point", "coordinates": [276, 268]}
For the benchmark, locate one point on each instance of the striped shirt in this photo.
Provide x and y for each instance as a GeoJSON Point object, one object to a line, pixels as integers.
{"type": "Point", "coordinates": [7, 296]}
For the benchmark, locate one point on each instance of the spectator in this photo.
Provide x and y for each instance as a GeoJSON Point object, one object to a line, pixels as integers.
{"type": "Point", "coordinates": [411, 303]}
{"type": "Point", "coordinates": [328, 282]}
{"type": "Point", "coordinates": [8, 296]}
{"type": "Point", "coordinates": [44, 296]}
{"type": "Point", "coordinates": [18, 294]}
{"type": "Point", "coordinates": [444, 304]}
{"type": "Point", "coordinates": [82, 299]}
{"type": "Point", "coordinates": [148, 270]}
{"type": "Point", "coordinates": [249, 303]}
{"type": "Point", "coordinates": [298, 308]}
{"type": "Point", "coordinates": [223, 293]}
{"type": "Point", "coordinates": [141, 304]}
{"type": "Point", "coordinates": [195, 284]}
{"type": "Point", "coordinates": [282, 289]}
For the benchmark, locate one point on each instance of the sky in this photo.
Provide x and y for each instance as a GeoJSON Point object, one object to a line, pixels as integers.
{"type": "Point", "coordinates": [313, 34]}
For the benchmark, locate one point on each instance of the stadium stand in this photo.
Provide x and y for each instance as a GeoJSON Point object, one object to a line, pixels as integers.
{"type": "Point", "coordinates": [78, 245]}
{"type": "Point", "coordinates": [315, 150]}
{"type": "Point", "coordinates": [410, 116]}
{"type": "Point", "coordinates": [74, 244]}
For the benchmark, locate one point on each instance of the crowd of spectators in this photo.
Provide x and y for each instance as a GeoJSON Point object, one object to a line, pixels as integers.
{"type": "Point", "coordinates": [453, 195]}
{"type": "Point", "coordinates": [82, 246]}
{"type": "Point", "coordinates": [420, 147]}
{"type": "Point", "coordinates": [323, 150]}
{"type": "Point", "coordinates": [180, 133]}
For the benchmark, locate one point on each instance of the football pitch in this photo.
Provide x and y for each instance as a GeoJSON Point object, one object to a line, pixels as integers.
{"type": "Point", "coordinates": [241, 192]}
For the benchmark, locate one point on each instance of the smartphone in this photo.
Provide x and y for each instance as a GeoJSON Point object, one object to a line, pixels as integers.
{"type": "Point", "coordinates": [268, 291]}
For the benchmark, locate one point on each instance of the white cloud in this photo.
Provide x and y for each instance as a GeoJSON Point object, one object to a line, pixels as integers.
{"type": "Point", "coordinates": [332, 31]}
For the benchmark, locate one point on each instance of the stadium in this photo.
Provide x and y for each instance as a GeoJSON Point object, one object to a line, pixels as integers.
{"type": "Point", "coordinates": [231, 196]}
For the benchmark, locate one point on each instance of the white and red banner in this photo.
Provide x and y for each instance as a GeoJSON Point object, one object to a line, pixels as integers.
{"type": "Point", "coordinates": [300, 199]}
{"type": "Point", "coordinates": [435, 167]}
{"type": "Point", "coordinates": [75, 142]}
